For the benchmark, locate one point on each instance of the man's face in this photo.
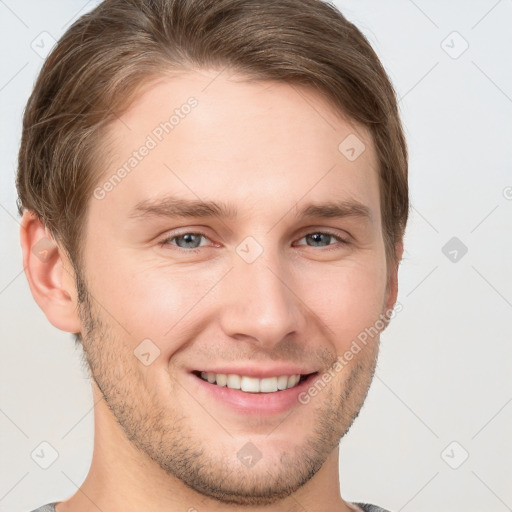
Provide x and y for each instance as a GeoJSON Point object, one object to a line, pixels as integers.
{"type": "Point", "coordinates": [265, 292]}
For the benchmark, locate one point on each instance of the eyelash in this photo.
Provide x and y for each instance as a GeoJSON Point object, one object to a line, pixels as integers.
{"type": "Point", "coordinates": [168, 239]}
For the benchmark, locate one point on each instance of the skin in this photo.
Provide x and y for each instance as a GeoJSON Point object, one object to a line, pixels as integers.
{"type": "Point", "coordinates": [160, 442]}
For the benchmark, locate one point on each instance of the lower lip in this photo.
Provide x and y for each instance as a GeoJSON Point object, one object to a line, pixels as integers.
{"type": "Point", "coordinates": [256, 403]}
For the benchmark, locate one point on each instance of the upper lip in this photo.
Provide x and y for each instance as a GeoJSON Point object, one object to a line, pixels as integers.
{"type": "Point", "coordinates": [260, 372]}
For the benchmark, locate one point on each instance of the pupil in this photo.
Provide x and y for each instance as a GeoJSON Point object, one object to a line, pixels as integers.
{"type": "Point", "coordinates": [189, 238]}
{"type": "Point", "coordinates": [316, 238]}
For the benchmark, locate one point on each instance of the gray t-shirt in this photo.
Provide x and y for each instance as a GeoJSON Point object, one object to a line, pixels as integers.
{"type": "Point", "coordinates": [366, 507]}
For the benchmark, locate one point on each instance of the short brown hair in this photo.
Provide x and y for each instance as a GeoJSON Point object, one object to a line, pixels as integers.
{"type": "Point", "coordinates": [108, 54]}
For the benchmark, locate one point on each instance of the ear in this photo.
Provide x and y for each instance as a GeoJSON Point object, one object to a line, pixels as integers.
{"type": "Point", "coordinates": [392, 285]}
{"type": "Point", "coordinates": [50, 274]}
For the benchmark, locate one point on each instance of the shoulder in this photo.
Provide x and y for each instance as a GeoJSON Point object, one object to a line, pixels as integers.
{"type": "Point", "coordinates": [367, 507]}
{"type": "Point", "coordinates": [50, 507]}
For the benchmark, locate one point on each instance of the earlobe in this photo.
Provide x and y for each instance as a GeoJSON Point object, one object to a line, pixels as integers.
{"type": "Point", "coordinates": [49, 274]}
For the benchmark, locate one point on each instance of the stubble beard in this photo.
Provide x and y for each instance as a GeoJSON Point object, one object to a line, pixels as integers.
{"type": "Point", "coordinates": [163, 434]}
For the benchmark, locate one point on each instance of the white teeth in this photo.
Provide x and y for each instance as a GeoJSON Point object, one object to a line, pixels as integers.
{"type": "Point", "coordinates": [268, 385]}
{"type": "Point", "coordinates": [292, 380]}
{"type": "Point", "coordinates": [233, 381]}
{"type": "Point", "coordinates": [222, 379]}
{"type": "Point", "coordinates": [282, 382]}
{"type": "Point", "coordinates": [252, 384]}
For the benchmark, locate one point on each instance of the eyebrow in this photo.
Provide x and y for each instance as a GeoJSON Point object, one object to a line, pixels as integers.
{"type": "Point", "coordinates": [174, 207]}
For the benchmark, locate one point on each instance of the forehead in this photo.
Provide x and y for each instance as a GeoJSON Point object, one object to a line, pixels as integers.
{"type": "Point", "coordinates": [211, 135]}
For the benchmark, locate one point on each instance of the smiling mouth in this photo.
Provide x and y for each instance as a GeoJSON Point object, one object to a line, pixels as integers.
{"type": "Point", "coordinates": [253, 384]}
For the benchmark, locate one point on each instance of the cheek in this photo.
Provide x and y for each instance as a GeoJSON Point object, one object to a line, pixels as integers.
{"type": "Point", "coordinates": [348, 300]}
{"type": "Point", "coordinates": [152, 301]}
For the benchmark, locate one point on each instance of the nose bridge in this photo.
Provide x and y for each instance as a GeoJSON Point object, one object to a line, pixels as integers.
{"type": "Point", "coordinates": [260, 302]}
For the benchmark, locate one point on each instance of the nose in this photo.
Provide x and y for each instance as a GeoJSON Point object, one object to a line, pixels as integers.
{"type": "Point", "coordinates": [261, 302]}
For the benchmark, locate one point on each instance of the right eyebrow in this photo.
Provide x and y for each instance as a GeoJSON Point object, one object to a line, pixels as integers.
{"type": "Point", "coordinates": [176, 207]}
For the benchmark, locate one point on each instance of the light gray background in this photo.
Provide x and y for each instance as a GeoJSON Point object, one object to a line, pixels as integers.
{"type": "Point", "coordinates": [446, 360]}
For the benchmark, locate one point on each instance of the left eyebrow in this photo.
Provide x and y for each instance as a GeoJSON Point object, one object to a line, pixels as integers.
{"type": "Point", "coordinates": [336, 210]}
{"type": "Point", "coordinates": [189, 208]}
